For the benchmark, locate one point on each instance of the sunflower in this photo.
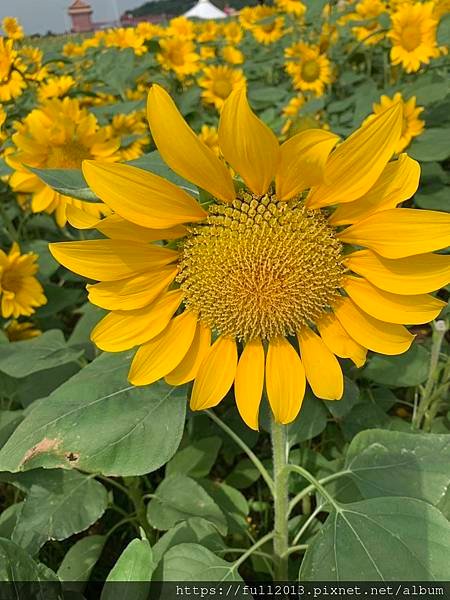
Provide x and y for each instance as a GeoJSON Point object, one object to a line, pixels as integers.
{"type": "Point", "coordinates": [181, 28]}
{"type": "Point", "coordinates": [122, 37]}
{"type": "Point", "coordinates": [2, 122]}
{"type": "Point", "coordinates": [55, 87]}
{"type": "Point", "coordinates": [269, 32]}
{"type": "Point", "coordinates": [412, 126]}
{"type": "Point", "coordinates": [263, 287]}
{"type": "Point", "coordinates": [218, 82]}
{"type": "Point", "coordinates": [12, 28]}
{"type": "Point", "coordinates": [12, 82]}
{"type": "Point", "coordinates": [210, 137]}
{"type": "Point", "coordinates": [58, 135]}
{"type": "Point", "coordinates": [179, 56]}
{"type": "Point", "coordinates": [232, 55]}
{"type": "Point", "coordinates": [233, 33]}
{"type": "Point", "coordinates": [291, 111]}
{"type": "Point", "coordinates": [310, 70]}
{"type": "Point", "coordinates": [207, 31]}
{"type": "Point", "coordinates": [293, 7]}
{"type": "Point", "coordinates": [368, 11]}
{"type": "Point", "coordinates": [17, 332]}
{"type": "Point", "coordinates": [413, 36]}
{"type": "Point", "coordinates": [207, 52]}
{"type": "Point", "coordinates": [132, 129]}
{"type": "Point", "coordinates": [20, 291]}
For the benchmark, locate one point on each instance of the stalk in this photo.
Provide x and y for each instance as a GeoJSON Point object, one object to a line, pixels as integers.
{"type": "Point", "coordinates": [281, 500]}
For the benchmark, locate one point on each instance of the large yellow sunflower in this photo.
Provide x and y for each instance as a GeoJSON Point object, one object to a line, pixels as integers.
{"type": "Point", "coordinates": [218, 82]}
{"type": "Point", "coordinates": [264, 288]}
{"type": "Point", "coordinates": [310, 70]}
{"type": "Point", "coordinates": [12, 82]}
{"type": "Point", "coordinates": [413, 36]}
{"type": "Point", "coordinates": [20, 291]}
{"type": "Point", "coordinates": [178, 55]}
{"type": "Point", "coordinates": [412, 126]}
{"type": "Point", "coordinates": [58, 135]}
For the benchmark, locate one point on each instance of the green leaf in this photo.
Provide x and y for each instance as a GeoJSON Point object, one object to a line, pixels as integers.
{"type": "Point", "coordinates": [59, 504]}
{"type": "Point", "coordinates": [434, 200]}
{"type": "Point", "coordinates": [47, 264]}
{"type": "Point", "coordinates": [192, 562]}
{"type": "Point", "coordinates": [339, 408]}
{"type": "Point", "coordinates": [382, 539]}
{"type": "Point", "coordinates": [443, 31]}
{"type": "Point", "coordinates": [135, 564]}
{"type": "Point", "coordinates": [58, 299]}
{"type": "Point", "coordinates": [197, 459]}
{"type": "Point", "coordinates": [392, 463]}
{"type": "Point", "coordinates": [233, 504]}
{"type": "Point", "coordinates": [9, 420]}
{"type": "Point", "coordinates": [8, 519]}
{"type": "Point", "coordinates": [79, 561]}
{"type": "Point", "coordinates": [100, 423]}
{"type": "Point", "coordinates": [431, 145]}
{"type": "Point", "coordinates": [405, 370]}
{"type": "Point", "coordinates": [179, 497]}
{"type": "Point", "coordinates": [154, 163]}
{"type": "Point", "coordinates": [17, 566]}
{"type": "Point", "coordinates": [311, 420]}
{"type": "Point", "coordinates": [243, 475]}
{"type": "Point", "coordinates": [69, 182]}
{"type": "Point", "coordinates": [48, 350]}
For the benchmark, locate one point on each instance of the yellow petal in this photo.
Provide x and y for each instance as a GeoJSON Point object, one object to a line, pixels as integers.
{"type": "Point", "coordinates": [163, 353]}
{"type": "Point", "coordinates": [108, 260]}
{"type": "Point", "coordinates": [285, 380]}
{"type": "Point", "coordinates": [338, 340]}
{"type": "Point", "coordinates": [117, 228]}
{"type": "Point", "coordinates": [414, 275]}
{"type": "Point", "coordinates": [393, 308]}
{"type": "Point", "coordinates": [249, 382]}
{"type": "Point", "coordinates": [80, 219]}
{"type": "Point", "coordinates": [247, 143]}
{"type": "Point", "coordinates": [122, 330]}
{"type": "Point", "coordinates": [215, 375]}
{"type": "Point", "coordinates": [188, 368]}
{"type": "Point", "coordinates": [141, 197]}
{"type": "Point", "coordinates": [397, 183]}
{"type": "Point", "coordinates": [322, 369]}
{"type": "Point", "coordinates": [401, 232]}
{"type": "Point", "coordinates": [302, 161]}
{"type": "Point", "coordinates": [356, 164]}
{"type": "Point", "coordinates": [182, 150]}
{"type": "Point", "coordinates": [134, 292]}
{"type": "Point", "coordinates": [385, 338]}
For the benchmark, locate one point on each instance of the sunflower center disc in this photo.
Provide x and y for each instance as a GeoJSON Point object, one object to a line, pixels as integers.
{"type": "Point", "coordinates": [260, 267]}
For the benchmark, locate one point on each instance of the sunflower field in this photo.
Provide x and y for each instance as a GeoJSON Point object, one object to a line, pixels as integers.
{"type": "Point", "coordinates": [224, 285]}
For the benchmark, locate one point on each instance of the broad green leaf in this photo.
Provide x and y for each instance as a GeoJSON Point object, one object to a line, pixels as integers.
{"type": "Point", "coordinates": [231, 501]}
{"type": "Point", "coordinates": [382, 539]}
{"type": "Point", "coordinates": [59, 504]}
{"type": "Point", "coordinates": [179, 497]}
{"type": "Point", "coordinates": [48, 350]}
{"type": "Point", "coordinates": [339, 408]}
{"type": "Point", "coordinates": [243, 475]}
{"type": "Point", "coordinates": [431, 145]}
{"type": "Point", "coordinates": [69, 182]}
{"type": "Point", "coordinates": [154, 163]}
{"type": "Point", "coordinates": [434, 200]}
{"type": "Point", "coordinates": [79, 561]}
{"type": "Point", "coordinates": [8, 519]}
{"type": "Point", "coordinates": [58, 299]}
{"type": "Point", "coordinates": [408, 369]}
{"type": "Point", "coordinates": [135, 564]}
{"type": "Point", "coordinates": [9, 420]}
{"type": "Point", "coordinates": [43, 383]}
{"type": "Point", "coordinates": [18, 567]}
{"type": "Point", "coordinates": [392, 463]}
{"type": "Point", "coordinates": [47, 264]}
{"type": "Point", "coordinates": [193, 530]}
{"type": "Point", "coordinates": [311, 420]}
{"type": "Point", "coordinates": [98, 422]}
{"type": "Point", "coordinates": [197, 459]}
{"type": "Point", "coordinates": [192, 562]}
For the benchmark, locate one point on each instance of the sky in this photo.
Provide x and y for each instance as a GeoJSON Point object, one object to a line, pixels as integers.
{"type": "Point", "coordinates": [39, 16]}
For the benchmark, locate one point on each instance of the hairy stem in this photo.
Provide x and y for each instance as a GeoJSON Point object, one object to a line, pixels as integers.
{"type": "Point", "coordinates": [281, 500]}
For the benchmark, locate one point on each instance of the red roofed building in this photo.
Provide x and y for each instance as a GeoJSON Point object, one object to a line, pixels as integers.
{"type": "Point", "coordinates": [81, 12]}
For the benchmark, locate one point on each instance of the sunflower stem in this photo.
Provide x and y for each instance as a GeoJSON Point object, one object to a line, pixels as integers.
{"type": "Point", "coordinates": [280, 451]}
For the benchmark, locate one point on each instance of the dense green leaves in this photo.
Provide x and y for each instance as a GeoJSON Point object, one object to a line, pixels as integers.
{"type": "Point", "coordinates": [192, 562]}
{"type": "Point", "coordinates": [17, 566]}
{"type": "Point", "coordinates": [351, 546]}
{"type": "Point", "coordinates": [140, 427]}
{"type": "Point", "coordinates": [135, 564]}
{"type": "Point", "coordinates": [79, 561]}
{"type": "Point", "coordinates": [408, 369]}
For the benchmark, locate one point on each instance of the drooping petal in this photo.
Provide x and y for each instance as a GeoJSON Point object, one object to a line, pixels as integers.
{"type": "Point", "coordinates": [215, 375]}
{"type": "Point", "coordinates": [108, 260]}
{"type": "Point", "coordinates": [249, 382]}
{"type": "Point", "coordinates": [401, 232]}
{"type": "Point", "coordinates": [117, 228]}
{"type": "Point", "coordinates": [247, 143]}
{"type": "Point", "coordinates": [134, 292]}
{"type": "Point", "coordinates": [285, 380]}
{"type": "Point", "coordinates": [393, 308]}
{"type": "Point", "coordinates": [322, 369]}
{"type": "Point", "coordinates": [302, 161]}
{"type": "Point", "coordinates": [397, 183]}
{"type": "Point", "coordinates": [182, 150]}
{"type": "Point", "coordinates": [356, 164]}
{"type": "Point", "coordinates": [80, 219]}
{"type": "Point", "coordinates": [164, 352]}
{"type": "Point", "coordinates": [188, 368]}
{"type": "Point", "coordinates": [414, 275]}
{"type": "Point", "coordinates": [141, 197]}
{"type": "Point", "coordinates": [338, 340]}
{"type": "Point", "coordinates": [123, 330]}
{"type": "Point", "coordinates": [385, 338]}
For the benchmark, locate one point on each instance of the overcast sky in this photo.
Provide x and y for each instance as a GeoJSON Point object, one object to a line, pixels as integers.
{"type": "Point", "coordinates": [38, 16]}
